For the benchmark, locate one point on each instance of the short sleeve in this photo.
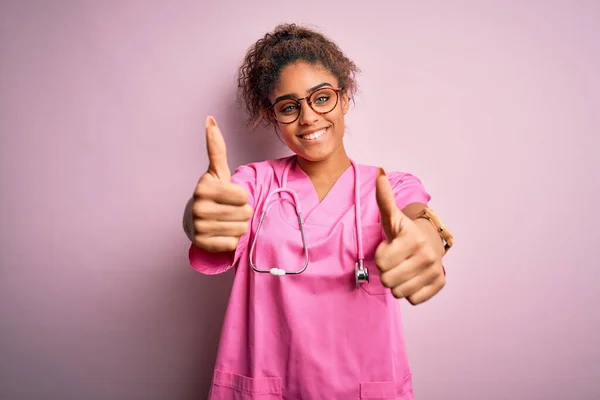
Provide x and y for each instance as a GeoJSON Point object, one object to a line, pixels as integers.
{"type": "Point", "coordinates": [215, 263]}
{"type": "Point", "coordinates": [408, 189]}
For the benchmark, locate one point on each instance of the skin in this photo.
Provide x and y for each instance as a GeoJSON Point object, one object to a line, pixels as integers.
{"type": "Point", "coordinates": [409, 260]}
{"type": "Point", "coordinates": [326, 160]}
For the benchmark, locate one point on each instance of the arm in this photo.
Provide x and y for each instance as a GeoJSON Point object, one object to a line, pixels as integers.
{"type": "Point", "coordinates": [410, 261]}
{"type": "Point", "coordinates": [433, 237]}
{"type": "Point", "coordinates": [412, 197]}
{"type": "Point", "coordinates": [209, 262]}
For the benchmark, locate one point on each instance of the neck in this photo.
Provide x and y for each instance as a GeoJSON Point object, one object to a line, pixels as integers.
{"type": "Point", "coordinates": [328, 169]}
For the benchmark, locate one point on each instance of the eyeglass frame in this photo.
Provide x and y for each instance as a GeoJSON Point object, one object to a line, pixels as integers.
{"type": "Point", "coordinates": [307, 98]}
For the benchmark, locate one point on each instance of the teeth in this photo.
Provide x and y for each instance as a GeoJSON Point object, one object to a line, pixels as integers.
{"type": "Point", "coordinates": [314, 135]}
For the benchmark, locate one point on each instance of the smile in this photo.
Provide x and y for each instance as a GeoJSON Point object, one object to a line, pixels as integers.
{"type": "Point", "coordinates": [313, 135]}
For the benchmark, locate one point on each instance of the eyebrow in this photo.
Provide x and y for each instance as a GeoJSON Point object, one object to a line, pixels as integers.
{"type": "Point", "coordinates": [312, 89]}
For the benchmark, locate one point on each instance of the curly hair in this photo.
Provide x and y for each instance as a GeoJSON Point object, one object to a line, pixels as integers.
{"type": "Point", "coordinates": [287, 44]}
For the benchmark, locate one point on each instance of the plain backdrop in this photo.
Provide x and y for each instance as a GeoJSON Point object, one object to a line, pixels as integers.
{"type": "Point", "coordinates": [493, 104]}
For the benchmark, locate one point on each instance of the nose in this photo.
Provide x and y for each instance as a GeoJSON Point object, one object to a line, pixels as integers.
{"type": "Point", "coordinates": [308, 116]}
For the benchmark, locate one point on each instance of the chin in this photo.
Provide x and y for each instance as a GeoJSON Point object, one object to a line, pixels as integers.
{"type": "Point", "coordinates": [314, 156]}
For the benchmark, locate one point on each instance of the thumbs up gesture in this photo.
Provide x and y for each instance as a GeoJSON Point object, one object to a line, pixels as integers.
{"type": "Point", "coordinates": [407, 261]}
{"type": "Point", "coordinates": [220, 210]}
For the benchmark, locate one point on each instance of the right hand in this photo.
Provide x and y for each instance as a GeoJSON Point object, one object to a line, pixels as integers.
{"type": "Point", "coordinates": [220, 211]}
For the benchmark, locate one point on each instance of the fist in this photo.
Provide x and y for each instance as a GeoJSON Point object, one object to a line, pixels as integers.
{"type": "Point", "coordinates": [407, 261]}
{"type": "Point", "coordinates": [220, 208]}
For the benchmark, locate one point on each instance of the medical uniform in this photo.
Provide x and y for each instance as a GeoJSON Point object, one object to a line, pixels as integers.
{"type": "Point", "coordinates": [312, 335]}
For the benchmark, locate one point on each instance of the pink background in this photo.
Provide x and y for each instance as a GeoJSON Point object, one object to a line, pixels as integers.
{"type": "Point", "coordinates": [494, 105]}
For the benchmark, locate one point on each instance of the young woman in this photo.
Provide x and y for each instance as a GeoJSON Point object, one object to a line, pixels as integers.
{"type": "Point", "coordinates": [322, 246]}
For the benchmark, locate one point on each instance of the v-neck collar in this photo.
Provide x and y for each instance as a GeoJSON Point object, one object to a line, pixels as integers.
{"type": "Point", "coordinates": [340, 196]}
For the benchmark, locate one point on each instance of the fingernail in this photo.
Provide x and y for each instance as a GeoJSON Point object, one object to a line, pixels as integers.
{"type": "Point", "coordinates": [382, 172]}
{"type": "Point", "coordinates": [210, 121]}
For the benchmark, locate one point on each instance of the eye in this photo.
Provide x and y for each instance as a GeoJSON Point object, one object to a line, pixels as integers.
{"type": "Point", "coordinates": [321, 99]}
{"type": "Point", "coordinates": [288, 108]}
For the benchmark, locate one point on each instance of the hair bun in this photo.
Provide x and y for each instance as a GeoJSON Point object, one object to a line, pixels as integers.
{"type": "Point", "coordinates": [286, 32]}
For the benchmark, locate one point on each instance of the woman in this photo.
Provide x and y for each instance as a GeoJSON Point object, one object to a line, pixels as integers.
{"type": "Point", "coordinates": [313, 311]}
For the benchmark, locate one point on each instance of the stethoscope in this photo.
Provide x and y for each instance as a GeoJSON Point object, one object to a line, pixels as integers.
{"type": "Point", "coordinates": [361, 274]}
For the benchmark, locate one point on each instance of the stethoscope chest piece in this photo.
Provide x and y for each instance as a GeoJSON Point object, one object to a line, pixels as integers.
{"type": "Point", "coordinates": [361, 274]}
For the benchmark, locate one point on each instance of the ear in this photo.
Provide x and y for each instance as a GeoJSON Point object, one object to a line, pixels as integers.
{"type": "Point", "coordinates": [262, 115]}
{"type": "Point", "coordinates": [345, 102]}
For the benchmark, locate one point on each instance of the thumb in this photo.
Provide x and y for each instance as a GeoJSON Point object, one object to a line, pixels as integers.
{"type": "Point", "coordinates": [217, 151]}
{"type": "Point", "coordinates": [391, 216]}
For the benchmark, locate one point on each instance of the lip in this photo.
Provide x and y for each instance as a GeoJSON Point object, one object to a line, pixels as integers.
{"type": "Point", "coordinates": [313, 131]}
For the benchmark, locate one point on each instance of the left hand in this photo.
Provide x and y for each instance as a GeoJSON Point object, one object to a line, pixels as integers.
{"type": "Point", "coordinates": [409, 265]}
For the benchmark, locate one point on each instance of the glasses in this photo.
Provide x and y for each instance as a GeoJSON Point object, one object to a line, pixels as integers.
{"type": "Point", "coordinates": [320, 101]}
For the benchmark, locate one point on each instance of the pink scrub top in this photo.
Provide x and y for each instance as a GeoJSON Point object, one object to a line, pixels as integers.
{"type": "Point", "coordinates": [312, 335]}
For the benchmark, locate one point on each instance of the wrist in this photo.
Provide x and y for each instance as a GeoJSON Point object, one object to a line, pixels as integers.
{"type": "Point", "coordinates": [432, 236]}
{"type": "Point", "coordinates": [436, 225]}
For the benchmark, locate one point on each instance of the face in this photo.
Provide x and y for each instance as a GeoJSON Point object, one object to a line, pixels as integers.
{"type": "Point", "coordinates": [313, 136]}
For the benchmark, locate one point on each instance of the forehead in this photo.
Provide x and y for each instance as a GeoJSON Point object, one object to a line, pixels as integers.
{"type": "Point", "coordinates": [296, 79]}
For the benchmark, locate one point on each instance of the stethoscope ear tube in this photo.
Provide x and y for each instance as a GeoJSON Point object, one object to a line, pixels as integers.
{"type": "Point", "coordinates": [268, 202]}
{"type": "Point", "coordinates": [361, 274]}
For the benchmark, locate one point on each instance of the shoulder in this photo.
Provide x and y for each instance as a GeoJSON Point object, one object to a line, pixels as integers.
{"type": "Point", "coordinates": [397, 178]}
{"type": "Point", "coordinates": [260, 172]}
{"type": "Point", "coordinates": [407, 187]}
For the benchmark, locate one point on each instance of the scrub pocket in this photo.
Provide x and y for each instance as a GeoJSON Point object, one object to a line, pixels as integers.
{"type": "Point", "coordinates": [372, 236]}
{"type": "Point", "coordinates": [401, 390]}
{"type": "Point", "coordinates": [229, 386]}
